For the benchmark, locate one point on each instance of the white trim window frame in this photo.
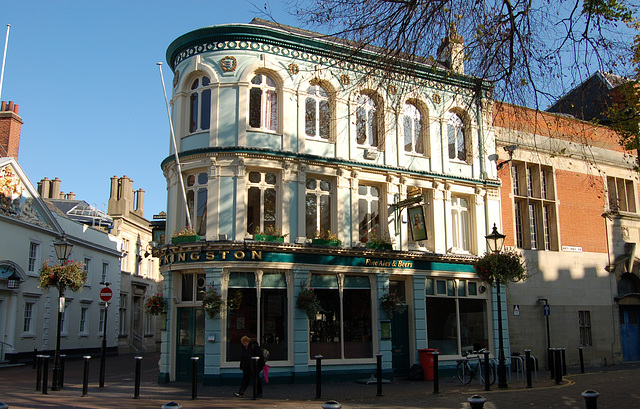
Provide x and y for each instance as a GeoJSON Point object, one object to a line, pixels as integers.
{"type": "Point", "coordinates": [456, 136]}
{"type": "Point", "coordinates": [318, 205]}
{"type": "Point", "coordinates": [461, 223]}
{"type": "Point", "coordinates": [367, 121]}
{"type": "Point", "coordinates": [83, 330]}
{"type": "Point", "coordinates": [29, 317]}
{"type": "Point", "coordinates": [196, 186]}
{"type": "Point", "coordinates": [262, 201]}
{"type": "Point", "coordinates": [200, 105]}
{"type": "Point", "coordinates": [317, 113]}
{"type": "Point", "coordinates": [412, 129]}
{"type": "Point", "coordinates": [264, 103]}
{"type": "Point", "coordinates": [34, 258]}
{"type": "Point", "coordinates": [369, 205]}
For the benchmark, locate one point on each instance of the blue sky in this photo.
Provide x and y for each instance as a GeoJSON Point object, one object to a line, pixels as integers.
{"type": "Point", "coordinates": [85, 77]}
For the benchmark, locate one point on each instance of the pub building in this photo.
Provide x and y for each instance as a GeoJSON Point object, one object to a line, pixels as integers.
{"type": "Point", "coordinates": [302, 163]}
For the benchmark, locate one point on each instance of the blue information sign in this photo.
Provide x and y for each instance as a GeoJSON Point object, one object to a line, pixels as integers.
{"type": "Point", "coordinates": [547, 310]}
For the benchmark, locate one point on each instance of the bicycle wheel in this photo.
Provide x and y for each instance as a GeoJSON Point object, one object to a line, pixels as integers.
{"type": "Point", "coordinates": [464, 373]}
{"type": "Point", "coordinates": [492, 372]}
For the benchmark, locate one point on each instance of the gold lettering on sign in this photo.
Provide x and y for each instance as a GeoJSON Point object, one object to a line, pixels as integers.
{"type": "Point", "coordinates": [182, 257]}
{"type": "Point", "coordinates": [224, 254]}
{"type": "Point", "coordinates": [210, 255]}
{"type": "Point", "coordinates": [239, 255]}
{"type": "Point", "coordinates": [194, 256]}
{"type": "Point", "coordinates": [256, 255]}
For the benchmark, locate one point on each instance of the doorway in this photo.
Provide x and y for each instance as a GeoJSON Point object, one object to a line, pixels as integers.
{"type": "Point", "coordinates": [630, 332]}
{"type": "Point", "coordinates": [190, 342]}
{"type": "Point", "coordinates": [400, 342]}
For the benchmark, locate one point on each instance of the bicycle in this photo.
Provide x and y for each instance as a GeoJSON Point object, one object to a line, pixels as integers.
{"type": "Point", "coordinates": [473, 366]}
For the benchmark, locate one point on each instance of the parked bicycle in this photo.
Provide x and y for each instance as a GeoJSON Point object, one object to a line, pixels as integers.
{"type": "Point", "coordinates": [473, 367]}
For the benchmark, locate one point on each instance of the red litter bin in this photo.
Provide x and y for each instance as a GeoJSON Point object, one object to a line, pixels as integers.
{"type": "Point", "coordinates": [426, 362]}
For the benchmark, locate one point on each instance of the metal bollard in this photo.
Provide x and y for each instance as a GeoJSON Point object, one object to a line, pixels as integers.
{"type": "Point", "coordinates": [45, 373]}
{"type": "Point", "coordinates": [476, 402]}
{"type": "Point", "coordinates": [557, 360]}
{"type": "Point", "coordinates": [581, 359]}
{"type": "Point", "coordinates": [590, 399]}
{"type": "Point", "coordinates": [436, 378]}
{"type": "Point", "coordinates": [255, 377]}
{"type": "Point", "coordinates": [332, 404]}
{"type": "Point", "coordinates": [35, 358]}
{"type": "Point", "coordinates": [85, 376]}
{"type": "Point", "coordinates": [487, 371]}
{"type": "Point", "coordinates": [318, 376]}
{"type": "Point", "coordinates": [171, 405]}
{"type": "Point", "coordinates": [551, 363]}
{"type": "Point", "coordinates": [527, 362]}
{"type": "Point", "coordinates": [39, 372]}
{"type": "Point", "coordinates": [62, 358]}
{"type": "Point", "coordinates": [379, 373]}
{"type": "Point", "coordinates": [564, 361]}
{"type": "Point", "coordinates": [136, 388]}
{"type": "Point", "coordinates": [194, 377]}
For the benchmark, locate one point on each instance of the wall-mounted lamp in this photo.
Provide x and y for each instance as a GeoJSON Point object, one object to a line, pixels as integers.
{"type": "Point", "coordinates": [509, 149]}
{"type": "Point", "coordinates": [13, 281]}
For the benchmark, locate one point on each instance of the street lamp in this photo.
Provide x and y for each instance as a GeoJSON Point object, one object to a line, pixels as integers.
{"type": "Point", "coordinates": [63, 250]}
{"type": "Point", "coordinates": [495, 241]}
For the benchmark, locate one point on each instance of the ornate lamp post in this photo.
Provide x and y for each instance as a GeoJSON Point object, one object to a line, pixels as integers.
{"type": "Point", "coordinates": [63, 249]}
{"type": "Point", "coordinates": [495, 241]}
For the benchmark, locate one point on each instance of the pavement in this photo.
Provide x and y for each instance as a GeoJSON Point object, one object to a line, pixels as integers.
{"type": "Point", "coordinates": [619, 388]}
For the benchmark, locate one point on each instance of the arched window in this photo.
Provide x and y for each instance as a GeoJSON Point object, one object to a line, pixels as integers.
{"type": "Point", "coordinates": [411, 122]}
{"type": "Point", "coordinates": [317, 112]}
{"type": "Point", "coordinates": [263, 103]}
{"type": "Point", "coordinates": [196, 189]}
{"type": "Point", "coordinates": [367, 121]}
{"type": "Point", "coordinates": [200, 105]}
{"type": "Point", "coordinates": [456, 134]}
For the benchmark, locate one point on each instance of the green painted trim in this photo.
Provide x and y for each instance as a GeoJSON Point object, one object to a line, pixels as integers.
{"type": "Point", "coordinates": [332, 161]}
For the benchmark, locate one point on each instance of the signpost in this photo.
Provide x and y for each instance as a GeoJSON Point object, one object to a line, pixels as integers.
{"type": "Point", "coordinates": [105, 295]}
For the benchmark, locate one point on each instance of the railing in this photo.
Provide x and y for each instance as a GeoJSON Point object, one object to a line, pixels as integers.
{"type": "Point", "coordinates": [2, 344]}
{"type": "Point", "coordinates": [137, 341]}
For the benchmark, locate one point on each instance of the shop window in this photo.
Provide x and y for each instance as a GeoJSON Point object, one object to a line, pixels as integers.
{"type": "Point", "coordinates": [259, 316]}
{"type": "Point", "coordinates": [456, 134]}
{"type": "Point", "coordinates": [261, 202]}
{"type": "Point", "coordinates": [456, 316]}
{"type": "Point", "coordinates": [200, 105]}
{"type": "Point", "coordinates": [461, 223]}
{"type": "Point", "coordinates": [317, 113]}
{"type": "Point", "coordinates": [196, 189]}
{"type": "Point", "coordinates": [318, 206]}
{"type": "Point", "coordinates": [263, 103]}
{"type": "Point", "coordinates": [622, 195]}
{"type": "Point", "coordinates": [412, 129]}
{"type": "Point", "coordinates": [367, 120]}
{"type": "Point", "coordinates": [353, 320]}
{"type": "Point", "coordinates": [584, 323]}
{"type": "Point", "coordinates": [369, 213]}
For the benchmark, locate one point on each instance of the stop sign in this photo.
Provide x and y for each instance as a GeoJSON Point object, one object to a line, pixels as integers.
{"type": "Point", "coordinates": [106, 294]}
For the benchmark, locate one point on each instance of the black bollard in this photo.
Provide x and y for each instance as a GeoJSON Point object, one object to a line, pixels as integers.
{"type": "Point", "coordinates": [35, 358]}
{"type": "Point", "coordinates": [255, 376]}
{"type": "Point", "coordinates": [318, 376]}
{"type": "Point", "coordinates": [45, 373]}
{"type": "Point", "coordinates": [136, 388]}
{"type": "Point", "coordinates": [436, 378]}
{"type": "Point", "coordinates": [379, 373]}
{"type": "Point", "coordinates": [557, 360]}
{"type": "Point", "coordinates": [590, 399]}
{"type": "Point", "coordinates": [194, 377]}
{"type": "Point", "coordinates": [39, 372]}
{"type": "Point", "coordinates": [564, 361]}
{"type": "Point", "coordinates": [551, 362]}
{"type": "Point", "coordinates": [527, 362]}
{"type": "Point", "coordinates": [85, 376]}
{"type": "Point", "coordinates": [487, 371]}
{"type": "Point", "coordinates": [476, 402]}
{"type": "Point", "coordinates": [62, 358]}
{"type": "Point", "coordinates": [581, 359]}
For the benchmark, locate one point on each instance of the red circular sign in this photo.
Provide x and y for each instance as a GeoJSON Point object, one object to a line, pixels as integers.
{"type": "Point", "coordinates": [106, 294]}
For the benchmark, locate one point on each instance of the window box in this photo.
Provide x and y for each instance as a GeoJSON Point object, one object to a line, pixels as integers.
{"type": "Point", "coordinates": [185, 239]}
{"type": "Point", "coordinates": [380, 246]}
{"type": "Point", "coordinates": [267, 237]}
{"type": "Point", "coordinates": [326, 242]}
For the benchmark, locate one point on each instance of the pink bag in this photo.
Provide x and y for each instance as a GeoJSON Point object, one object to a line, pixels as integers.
{"type": "Point", "coordinates": [265, 373]}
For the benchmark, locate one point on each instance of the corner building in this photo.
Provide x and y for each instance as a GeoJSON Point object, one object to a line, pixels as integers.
{"type": "Point", "coordinates": [283, 132]}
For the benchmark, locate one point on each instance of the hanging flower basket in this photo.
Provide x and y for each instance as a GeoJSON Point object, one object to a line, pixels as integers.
{"type": "Point", "coordinates": [506, 266]}
{"type": "Point", "coordinates": [391, 303]}
{"type": "Point", "coordinates": [308, 301]}
{"type": "Point", "coordinates": [212, 301]}
{"type": "Point", "coordinates": [70, 274]}
{"type": "Point", "coordinates": [155, 305]}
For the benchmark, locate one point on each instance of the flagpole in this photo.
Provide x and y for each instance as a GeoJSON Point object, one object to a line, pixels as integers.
{"type": "Point", "coordinates": [4, 59]}
{"type": "Point", "coordinates": [175, 148]}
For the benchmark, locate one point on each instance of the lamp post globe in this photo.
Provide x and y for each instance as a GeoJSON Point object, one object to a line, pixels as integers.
{"type": "Point", "coordinates": [63, 250]}
{"type": "Point", "coordinates": [495, 241]}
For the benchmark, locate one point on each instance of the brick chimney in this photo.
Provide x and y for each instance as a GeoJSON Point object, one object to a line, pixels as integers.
{"type": "Point", "coordinates": [10, 126]}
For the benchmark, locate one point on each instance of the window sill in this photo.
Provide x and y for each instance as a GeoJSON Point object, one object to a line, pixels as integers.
{"type": "Point", "coordinates": [27, 335]}
{"type": "Point", "coordinates": [262, 130]}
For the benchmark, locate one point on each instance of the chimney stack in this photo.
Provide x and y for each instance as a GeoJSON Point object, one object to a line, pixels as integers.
{"type": "Point", "coordinates": [10, 126]}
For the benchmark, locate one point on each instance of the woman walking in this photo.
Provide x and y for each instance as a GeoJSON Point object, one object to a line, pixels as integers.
{"type": "Point", "coordinates": [251, 349]}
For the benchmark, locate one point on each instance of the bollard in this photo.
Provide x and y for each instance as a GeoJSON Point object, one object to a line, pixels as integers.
{"type": "Point", "coordinates": [487, 371]}
{"type": "Point", "coordinates": [62, 358]}
{"type": "Point", "coordinates": [171, 405]}
{"type": "Point", "coordinates": [194, 377]}
{"type": "Point", "coordinates": [318, 376]}
{"type": "Point", "coordinates": [476, 402]}
{"type": "Point", "coordinates": [557, 360]}
{"type": "Point", "coordinates": [39, 372]}
{"type": "Point", "coordinates": [45, 373]}
{"type": "Point", "coordinates": [85, 376]}
{"type": "Point", "coordinates": [581, 359]}
{"type": "Point", "coordinates": [436, 378]}
{"type": "Point", "coordinates": [255, 376]}
{"type": "Point", "coordinates": [551, 363]}
{"type": "Point", "coordinates": [379, 373]}
{"type": "Point", "coordinates": [564, 361]}
{"type": "Point", "coordinates": [35, 358]}
{"type": "Point", "coordinates": [332, 404]}
{"type": "Point", "coordinates": [590, 399]}
{"type": "Point", "coordinates": [527, 362]}
{"type": "Point", "coordinates": [136, 388]}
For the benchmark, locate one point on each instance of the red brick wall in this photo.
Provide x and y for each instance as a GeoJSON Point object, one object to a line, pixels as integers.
{"type": "Point", "coordinates": [508, 222]}
{"type": "Point", "coordinates": [10, 125]}
{"type": "Point", "coordinates": [581, 204]}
